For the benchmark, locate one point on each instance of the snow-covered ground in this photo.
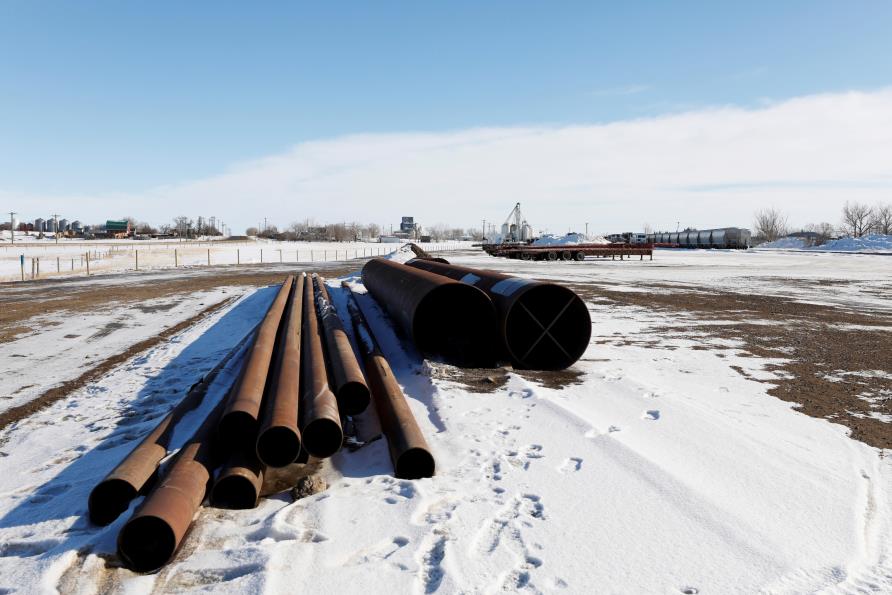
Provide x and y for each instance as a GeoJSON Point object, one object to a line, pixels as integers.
{"type": "Point", "coordinates": [649, 467]}
{"type": "Point", "coordinates": [570, 239]}
{"type": "Point", "coordinates": [868, 243]}
{"type": "Point", "coordinates": [68, 257]}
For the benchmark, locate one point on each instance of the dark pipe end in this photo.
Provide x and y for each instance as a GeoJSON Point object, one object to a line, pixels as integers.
{"type": "Point", "coordinates": [146, 543]}
{"type": "Point", "coordinates": [458, 323]}
{"type": "Point", "coordinates": [322, 437]}
{"type": "Point", "coordinates": [278, 446]}
{"type": "Point", "coordinates": [567, 319]}
{"type": "Point", "coordinates": [236, 492]}
{"type": "Point", "coordinates": [238, 427]}
{"type": "Point", "coordinates": [109, 499]}
{"type": "Point", "coordinates": [353, 398]}
{"type": "Point", "coordinates": [415, 463]}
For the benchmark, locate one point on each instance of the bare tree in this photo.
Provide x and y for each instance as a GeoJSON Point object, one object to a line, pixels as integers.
{"type": "Point", "coordinates": [770, 224]}
{"type": "Point", "coordinates": [823, 230]}
{"type": "Point", "coordinates": [373, 230]}
{"type": "Point", "coordinates": [856, 218]}
{"type": "Point", "coordinates": [882, 219]}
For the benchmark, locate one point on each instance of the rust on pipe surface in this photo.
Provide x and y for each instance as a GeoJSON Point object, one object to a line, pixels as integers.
{"type": "Point", "coordinates": [443, 317]}
{"type": "Point", "coordinates": [137, 472]}
{"type": "Point", "coordinates": [239, 422]}
{"type": "Point", "coordinates": [543, 326]}
{"type": "Point", "coordinates": [409, 452]}
{"type": "Point", "coordinates": [238, 484]}
{"type": "Point", "coordinates": [320, 420]}
{"type": "Point", "coordinates": [278, 441]}
{"type": "Point", "coordinates": [348, 382]}
{"type": "Point", "coordinates": [155, 531]}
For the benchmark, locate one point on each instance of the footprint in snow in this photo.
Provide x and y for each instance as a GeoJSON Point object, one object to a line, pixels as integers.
{"type": "Point", "coordinates": [570, 465]}
{"type": "Point", "coordinates": [652, 414]}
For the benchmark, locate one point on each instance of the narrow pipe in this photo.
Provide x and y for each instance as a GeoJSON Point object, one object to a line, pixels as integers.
{"type": "Point", "coordinates": [137, 472]}
{"type": "Point", "coordinates": [409, 452]}
{"type": "Point", "coordinates": [155, 531]}
{"type": "Point", "coordinates": [320, 421]}
{"type": "Point", "coordinates": [542, 326]}
{"type": "Point", "coordinates": [348, 383]}
{"type": "Point", "coordinates": [238, 484]}
{"type": "Point", "coordinates": [239, 421]}
{"type": "Point", "coordinates": [278, 441]}
{"type": "Point", "coordinates": [444, 318]}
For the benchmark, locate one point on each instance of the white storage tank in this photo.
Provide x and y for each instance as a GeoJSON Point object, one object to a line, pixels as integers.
{"type": "Point", "coordinates": [526, 232]}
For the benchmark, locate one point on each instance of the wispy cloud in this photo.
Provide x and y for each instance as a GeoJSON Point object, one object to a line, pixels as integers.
{"type": "Point", "coordinates": [704, 167]}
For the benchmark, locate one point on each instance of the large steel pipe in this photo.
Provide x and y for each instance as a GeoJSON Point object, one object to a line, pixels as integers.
{"type": "Point", "coordinates": [137, 472]}
{"type": "Point", "coordinates": [347, 380]}
{"type": "Point", "coordinates": [444, 318]}
{"type": "Point", "coordinates": [238, 484]}
{"type": "Point", "coordinates": [278, 441]}
{"type": "Point", "coordinates": [320, 420]}
{"type": "Point", "coordinates": [544, 326]}
{"type": "Point", "coordinates": [155, 531]}
{"type": "Point", "coordinates": [239, 423]}
{"type": "Point", "coordinates": [411, 457]}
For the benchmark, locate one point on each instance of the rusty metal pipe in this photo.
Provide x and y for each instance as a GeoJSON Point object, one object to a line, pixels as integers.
{"type": "Point", "coordinates": [543, 326]}
{"type": "Point", "coordinates": [238, 484]}
{"type": "Point", "coordinates": [155, 531]}
{"type": "Point", "coordinates": [409, 452]}
{"type": "Point", "coordinates": [137, 472]}
{"type": "Point", "coordinates": [348, 382]}
{"type": "Point", "coordinates": [278, 440]}
{"type": "Point", "coordinates": [320, 420]}
{"type": "Point", "coordinates": [239, 421]}
{"type": "Point", "coordinates": [444, 318]}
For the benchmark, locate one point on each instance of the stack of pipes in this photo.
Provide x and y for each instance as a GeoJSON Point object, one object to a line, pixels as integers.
{"type": "Point", "coordinates": [478, 318]}
{"type": "Point", "coordinates": [286, 386]}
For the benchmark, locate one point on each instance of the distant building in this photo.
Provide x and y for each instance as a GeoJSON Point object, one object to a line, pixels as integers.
{"type": "Point", "coordinates": [118, 229]}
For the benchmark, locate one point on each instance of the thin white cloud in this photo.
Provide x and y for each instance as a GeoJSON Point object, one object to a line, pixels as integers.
{"type": "Point", "coordinates": [709, 167]}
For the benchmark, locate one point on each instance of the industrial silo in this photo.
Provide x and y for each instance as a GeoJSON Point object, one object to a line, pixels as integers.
{"type": "Point", "coordinates": [39, 225]}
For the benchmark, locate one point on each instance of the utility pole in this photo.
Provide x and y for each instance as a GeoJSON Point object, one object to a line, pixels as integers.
{"type": "Point", "coordinates": [56, 226]}
{"type": "Point", "coordinates": [677, 224]}
{"type": "Point", "coordinates": [586, 230]}
{"type": "Point", "coordinates": [12, 227]}
{"type": "Point", "coordinates": [484, 230]}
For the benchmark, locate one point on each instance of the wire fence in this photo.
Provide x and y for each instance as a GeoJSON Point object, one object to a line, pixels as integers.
{"type": "Point", "coordinates": [59, 260]}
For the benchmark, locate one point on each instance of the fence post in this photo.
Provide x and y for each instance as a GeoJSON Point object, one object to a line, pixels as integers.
{"type": "Point", "coordinates": [88, 264]}
{"type": "Point", "coordinates": [261, 256]}
{"type": "Point", "coordinates": [176, 258]}
{"type": "Point", "coordinates": [280, 256]}
{"type": "Point", "coordinates": [22, 263]}
{"type": "Point", "coordinates": [59, 267]}
{"type": "Point", "coordinates": [209, 257]}
{"type": "Point", "coordinates": [136, 252]}
{"type": "Point", "coordinates": [72, 264]}
{"type": "Point", "coordinates": [238, 259]}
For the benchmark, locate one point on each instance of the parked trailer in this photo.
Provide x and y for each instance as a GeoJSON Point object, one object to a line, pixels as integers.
{"type": "Point", "coordinates": [569, 252]}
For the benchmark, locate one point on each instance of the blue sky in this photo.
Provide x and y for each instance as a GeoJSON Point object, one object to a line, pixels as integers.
{"type": "Point", "coordinates": [106, 97]}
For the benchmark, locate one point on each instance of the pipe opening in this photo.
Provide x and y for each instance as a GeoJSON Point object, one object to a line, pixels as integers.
{"type": "Point", "coordinates": [278, 446]}
{"type": "Point", "coordinates": [415, 463]}
{"type": "Point", "coordinates": [457, 322]}
{"type": "Point", "coordinates": [547, 328]}
{"type": "Point", "coordinates": [236, 492]}
{"type": "Point", "coordinates": [353, 398]}
{"type": "Point", "coordinates": [146, 543]}
{"type": "Point", "coordinates": [238, 427]}
{"type": "Point", "coordinates": [322, 437]}
{"type": "Point", "coordinates": [109, 500]}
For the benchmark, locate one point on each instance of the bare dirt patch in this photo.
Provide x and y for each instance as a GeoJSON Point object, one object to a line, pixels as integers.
{"type": "Point", "coordinates": [836, 364]}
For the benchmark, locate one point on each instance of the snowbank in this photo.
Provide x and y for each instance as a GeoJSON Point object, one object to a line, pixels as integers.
{"type": "Point", "coordinates": [568, 240]}
{"type": "Point", "coordinates": [869, 243]}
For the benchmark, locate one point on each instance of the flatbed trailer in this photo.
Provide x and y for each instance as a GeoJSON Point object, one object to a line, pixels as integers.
{"type": "Point", "coordinates": [569, 252]}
